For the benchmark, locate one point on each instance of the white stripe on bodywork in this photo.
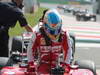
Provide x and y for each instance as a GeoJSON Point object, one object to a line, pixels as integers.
{"type": "Point", "coordinates": [29, 51]}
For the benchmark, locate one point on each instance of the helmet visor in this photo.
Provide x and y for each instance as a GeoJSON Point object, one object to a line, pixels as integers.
{"type": "Point", "coordinates": [53, 23]}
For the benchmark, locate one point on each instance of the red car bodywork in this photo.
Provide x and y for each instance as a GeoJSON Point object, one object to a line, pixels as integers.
{"type": "Point", "coordinates": [24, 71]}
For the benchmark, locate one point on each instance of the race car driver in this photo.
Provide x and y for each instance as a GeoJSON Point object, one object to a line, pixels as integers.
{"type": "Point", "coordinates": [49, 44]}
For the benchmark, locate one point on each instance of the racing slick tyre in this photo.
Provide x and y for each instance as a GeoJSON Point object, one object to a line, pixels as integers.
{"type": "Point", "coordinates": [83, 18]}
{"type": "Point", "coordinates": [73, 13]}
{"type": "Point", "coordinates": [95, 19]}
{"type": "Point", "coordinates": [5, 61]}
{"type": "Point", "coordinates": [16, 44]}
{"type": "Point", "coordinates": [77, 18]}
{"type": "Point", "coordinates": [86, 64]}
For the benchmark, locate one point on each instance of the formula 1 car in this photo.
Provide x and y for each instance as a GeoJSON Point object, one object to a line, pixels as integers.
{"type": "Point", "coordinates": [85, 16]}
{"type": "Point", "coordinates": [17, 64]}
{"type": "Point", "coordinates": [80, 68]}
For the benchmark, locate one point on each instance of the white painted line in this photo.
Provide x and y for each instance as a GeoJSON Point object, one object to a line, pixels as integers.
{"type": "Point", "coordinates": [87, 45]}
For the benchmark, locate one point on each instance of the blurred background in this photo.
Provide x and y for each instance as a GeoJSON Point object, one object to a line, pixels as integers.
{"type": "Point", "coordinates": [80, 17]}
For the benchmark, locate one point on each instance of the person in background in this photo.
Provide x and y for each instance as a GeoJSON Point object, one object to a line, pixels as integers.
{"type": "Point", "coordinates": [10, 13]}
{"type": "Point", "coordinates": [49, 44]}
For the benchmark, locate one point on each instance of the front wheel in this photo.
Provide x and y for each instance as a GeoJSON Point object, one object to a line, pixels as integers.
{"type": "Point", "coordinates": [94, 18]}
{"type": "Point", "coordinates": [86, 64]}
{"type": "Point", "coordinates": [5, 61]}
{"type": "Point", "coordinates": [77, 18]}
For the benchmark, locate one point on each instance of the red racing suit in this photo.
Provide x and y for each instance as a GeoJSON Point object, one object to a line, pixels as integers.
{"type": "Point", "coordinates": [48, 56]}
